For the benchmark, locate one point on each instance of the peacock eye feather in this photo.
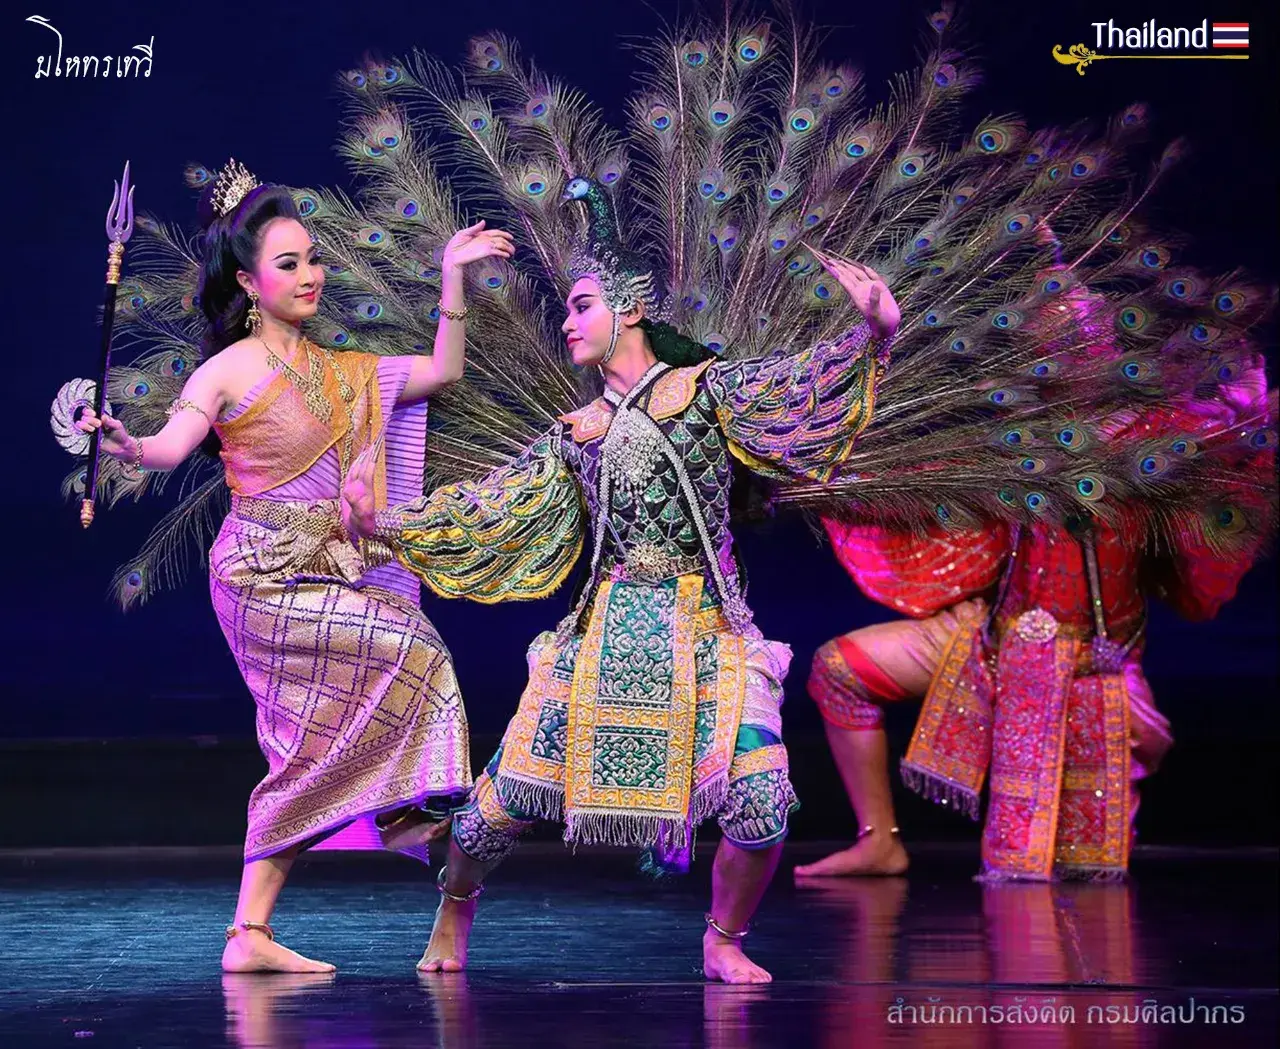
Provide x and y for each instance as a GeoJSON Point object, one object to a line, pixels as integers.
{"type": "Point", "coordinates": [1084, 166]}
{"type": "Point", "coordinates": [858, 147]}
{"type": "Point", "coordinates": [1090, 489]}
{"type": "Point", "coordinates": [695, 54]}
{"type": "Point", "coordinates": [1018, 223]}
{"type": "Point", "coordinates": [1133, 318]}
{"type": "Point", "coordinates": [1204, 334]}
{"type": "Point", "coordinates": [801, 121]}
{"type": "Point", "coordinates": [777, 191]}
{"type": "Point", "coordinates": [749, 49]}
{"type": "Point", "coordinates": [721, 113]}
{"type": "Point", "coordinates": [660, 118]}
{"type": "Point", "coordinates": [1073, 438]}
{"type": "Point", "coordinates": [1228, 302]}
{"type": "Point", "coordinates": [994, 138]}
{"type": "Point", "coordinates": [1153, 465]}
{"type": "Point", "coordinates": [912, 166]}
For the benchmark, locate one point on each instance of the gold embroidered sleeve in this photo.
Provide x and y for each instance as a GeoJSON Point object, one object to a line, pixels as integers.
{"type": "Point", "coordinates": [512, 536]}
{"type": "Point", "coordinates": [797, 416]}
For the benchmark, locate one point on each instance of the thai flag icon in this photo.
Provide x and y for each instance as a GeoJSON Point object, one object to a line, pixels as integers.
{"type": "Point", "coordinates": [1231, 34]}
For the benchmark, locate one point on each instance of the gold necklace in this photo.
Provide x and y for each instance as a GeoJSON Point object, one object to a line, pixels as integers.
{"type": "Point", "coordinates": [346, 394]}
{"type": "Point", "coordinates": [312, 387]}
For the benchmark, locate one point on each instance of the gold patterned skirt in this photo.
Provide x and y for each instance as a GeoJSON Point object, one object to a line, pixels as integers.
{"type": "Point", "coordinates": [656, 718]}
{"type": "Point", "coordinates": [358, 709]}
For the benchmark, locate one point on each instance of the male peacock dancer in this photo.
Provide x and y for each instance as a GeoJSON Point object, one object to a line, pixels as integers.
{"type": "Point", "coordinates": [657, 703]}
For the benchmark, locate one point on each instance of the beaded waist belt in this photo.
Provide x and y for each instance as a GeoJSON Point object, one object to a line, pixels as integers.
{"type": "Point", "coordinates": [319, 517]}
{"type": "Point", "coordinates": [1101, 654]}
{"type": "Point", "coordinates": [649, 563]}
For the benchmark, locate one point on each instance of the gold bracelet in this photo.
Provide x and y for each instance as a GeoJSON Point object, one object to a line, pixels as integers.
{"type": "Point", "coordinates": [453, 315]}
{"type": "Point", "coordinates": [375, 553]}
{"type": "Point", "coordinates": [135, 467]}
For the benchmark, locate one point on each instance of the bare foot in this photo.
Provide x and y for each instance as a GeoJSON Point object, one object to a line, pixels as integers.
{"type": "Point", "coordinates": [251, 951]}
{"type": "Point", "coordinates": [875, 855]}
{"type": "Point", "coordinates": [447, 950]}
{"type": "Point", "coordinates": [723, 960]}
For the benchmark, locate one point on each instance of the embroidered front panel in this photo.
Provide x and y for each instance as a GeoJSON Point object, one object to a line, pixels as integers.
{"type": "Point", "coordinates": [666, 481]}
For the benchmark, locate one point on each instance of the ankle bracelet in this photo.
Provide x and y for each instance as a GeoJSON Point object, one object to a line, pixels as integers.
{"type": "Point", "coordinates": [716, 927]}
{"type": "Point", "coordinates": [870, 829]}
{"type": "Point", "coordinates": [231, 930]}
{"type": "Point", "coordinates": [474, 894]}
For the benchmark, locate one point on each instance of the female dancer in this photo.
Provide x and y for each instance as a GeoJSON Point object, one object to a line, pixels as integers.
{"type": "Point", "coordinates": [358, 711]}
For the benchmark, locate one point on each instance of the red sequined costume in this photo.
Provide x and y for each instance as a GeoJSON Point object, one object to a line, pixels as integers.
{"type": "Point", "coordinates": [1026, 684]}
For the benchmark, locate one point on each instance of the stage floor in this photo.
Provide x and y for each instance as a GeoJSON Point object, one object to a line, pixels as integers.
{"type": "Point", "coordinates": [112, 948]}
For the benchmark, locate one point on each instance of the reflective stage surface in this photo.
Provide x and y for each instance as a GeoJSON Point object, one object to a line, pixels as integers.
{"type": "Point", "coordinates": [117, 948]}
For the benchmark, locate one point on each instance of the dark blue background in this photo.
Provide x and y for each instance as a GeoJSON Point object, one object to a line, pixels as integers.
{"type": "Point", "coordinates": [255, 81]}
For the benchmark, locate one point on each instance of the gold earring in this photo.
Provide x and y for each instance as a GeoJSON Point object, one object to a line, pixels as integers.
{"type": "Point", "coordinates": [253, 319]}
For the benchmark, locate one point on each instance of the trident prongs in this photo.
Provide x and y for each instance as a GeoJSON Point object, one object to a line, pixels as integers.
{"type": "Point", "coordinates": [120, 214]}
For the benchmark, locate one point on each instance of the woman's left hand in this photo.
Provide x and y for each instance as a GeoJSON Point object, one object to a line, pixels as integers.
{"type": "Point", "coordinates": [867, 291]}
{"type": "Point", "coordinates": [475, 243]}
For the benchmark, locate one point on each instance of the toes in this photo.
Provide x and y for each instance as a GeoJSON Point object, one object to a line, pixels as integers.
{"type": "Point", "coordinates": [440, 965]}
{"type": "Point", "coordinates": [299, 964]}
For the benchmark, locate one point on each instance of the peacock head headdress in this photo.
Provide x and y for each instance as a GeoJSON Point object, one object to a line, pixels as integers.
{"type": "Point", "coordinates": [626, 279]}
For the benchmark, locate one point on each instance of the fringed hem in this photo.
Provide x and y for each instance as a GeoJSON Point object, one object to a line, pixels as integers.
{"type": "Point", "coordinates": [1061, 872]}
{"type": "Point", "coordinates": [709, 798]}
{"type": "Point", "coordinates": [534, 799]}
{"type": "Point", "coordinates": [994, 877]}
{"type": "Point", "coordinates": [625, 829]}
{"type": "Point", "coordinates": [539, 800]}
{"type": "Point", "coordinates": [1094, 875]}
{"type": "Point", "coordinates": [939, 789]}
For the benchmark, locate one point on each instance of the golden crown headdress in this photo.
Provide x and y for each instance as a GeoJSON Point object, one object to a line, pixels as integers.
{"type": "Point", "coordinates": [230, 187]}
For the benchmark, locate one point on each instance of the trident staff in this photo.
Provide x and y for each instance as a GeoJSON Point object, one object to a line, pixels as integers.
{"type": "Point", "coordinates": [119, 230]}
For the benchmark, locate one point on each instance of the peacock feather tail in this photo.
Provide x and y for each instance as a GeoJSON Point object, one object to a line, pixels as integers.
{"type": "Point", "coordinates": [1041, 308]}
